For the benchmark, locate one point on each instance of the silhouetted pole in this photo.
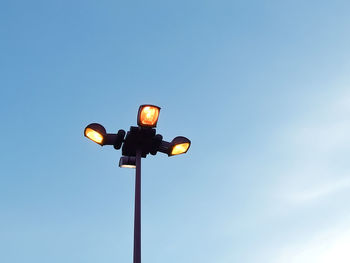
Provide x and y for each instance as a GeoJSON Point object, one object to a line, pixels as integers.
{"type": "Point", "coordinates": [137, 219]}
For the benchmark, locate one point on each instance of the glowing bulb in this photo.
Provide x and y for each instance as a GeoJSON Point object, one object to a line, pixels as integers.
{"type": "Point", "coordinates": [148, 115]}
{"type": "Point", "coordinates": [180, 148]}
{"type": "Point", "coordinates": [128, 166]}
{"type": "Point", "coordinates": [93, 135]}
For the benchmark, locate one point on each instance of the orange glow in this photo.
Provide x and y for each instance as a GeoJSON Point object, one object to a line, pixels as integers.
{"type": "Point", "coordinates": [180, 148]}
{"type": "Point", "coordinates": [93, 135]}
{"type": "Point", "coordinates": [149, 116]}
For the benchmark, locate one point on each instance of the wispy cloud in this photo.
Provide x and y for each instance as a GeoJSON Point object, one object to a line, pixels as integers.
{"type": "Point", "coordinates": [317, 192]}
{"type": "Point", "coordinates": [319, 151]}
{"type": "Point", "coordinates": [317, 146]}
{"type": "Point", "coordinates": [329, 246]}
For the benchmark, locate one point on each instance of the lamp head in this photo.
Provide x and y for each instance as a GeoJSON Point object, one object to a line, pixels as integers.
{"type": "Point", "coordinates": [179, 145]}
{"type": "Point", "coordinates": [127, 162]}
{"type": "Point", "coordinates": [148, 116]}
{"type": "Point", "coordinates": [95, 132]}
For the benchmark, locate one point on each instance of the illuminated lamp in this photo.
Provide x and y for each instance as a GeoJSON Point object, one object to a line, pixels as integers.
{"type": "Point", "coordinates": [179, 145]}
{"type": "Point", "coordinates": [95, 132]}
{"type": "Point", "coordinates": [148, 116]}
{"type": "Point", "coordinates": [127, 162]}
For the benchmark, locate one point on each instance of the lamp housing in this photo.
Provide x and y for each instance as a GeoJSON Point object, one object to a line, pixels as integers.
{"type": "Point", "coordinates": [95, 132]}
{"type": "Point", "coordinates": [148, 116]}
{"type": "Point", "coordinates": [179, 145]}
{"type": "Point", "coordinates": [127, 162]}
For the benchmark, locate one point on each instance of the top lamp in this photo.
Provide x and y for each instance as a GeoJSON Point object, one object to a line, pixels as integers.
{"type": "Point", "coordinates": [148, 116]}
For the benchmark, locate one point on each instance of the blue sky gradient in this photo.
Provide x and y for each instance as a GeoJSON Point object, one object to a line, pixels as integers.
{"type": "Point", "coordinates": [260, 87]}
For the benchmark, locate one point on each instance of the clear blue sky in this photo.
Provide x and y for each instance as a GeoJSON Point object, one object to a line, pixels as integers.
{"type": "Point", "coordinates": [260, 87]}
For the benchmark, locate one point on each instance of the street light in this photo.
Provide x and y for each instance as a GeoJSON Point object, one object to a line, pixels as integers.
{"type": "Point", "coordinates": [137, 143]}
{"type": "Point", "coordinates": [97, 133]}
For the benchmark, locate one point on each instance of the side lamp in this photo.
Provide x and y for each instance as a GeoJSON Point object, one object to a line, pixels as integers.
{"type": "Point", "coordinates": [179, 145]}
{"type": "Point", "coordinates": [97, 133]}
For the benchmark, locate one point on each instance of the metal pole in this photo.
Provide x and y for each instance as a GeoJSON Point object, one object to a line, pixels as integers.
{"type": "Point", "coordinates": [137, 218]}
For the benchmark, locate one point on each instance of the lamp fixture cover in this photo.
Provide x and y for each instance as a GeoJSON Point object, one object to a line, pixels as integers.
{"type": "Point", "coordinates": [127, 162]}
{"type": "Point", "coordinates": [148, 115]}
{"type": "Point", "coordinates": [179, 145]}
{"type": "Point", "coordinates": [95, 132]}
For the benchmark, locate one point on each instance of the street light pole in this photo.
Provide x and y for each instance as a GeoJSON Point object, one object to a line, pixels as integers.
{"type": "Point", "coordinates": [137, 215]}
{"type": "Point", "coordinates": [137, 143]}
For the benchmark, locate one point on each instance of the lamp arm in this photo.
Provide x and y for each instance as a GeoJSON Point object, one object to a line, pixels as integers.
{"type": "Point", "coordinates": [164, 147]}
